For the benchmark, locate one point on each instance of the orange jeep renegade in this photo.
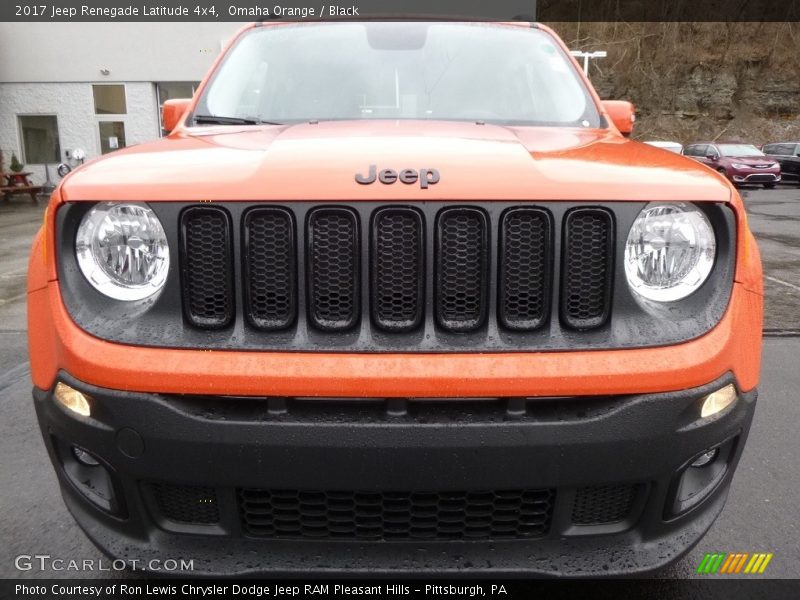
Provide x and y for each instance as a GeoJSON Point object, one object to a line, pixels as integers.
{"type": "Point", "coordinates": [396, 297]}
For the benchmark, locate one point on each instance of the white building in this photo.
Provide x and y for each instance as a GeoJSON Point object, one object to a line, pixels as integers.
{"type": "Point", "coordinates": [94, 86]}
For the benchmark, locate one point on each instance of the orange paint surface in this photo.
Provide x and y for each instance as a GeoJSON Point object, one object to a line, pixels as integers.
{"type": "Point", "coordinates": [57, 343]}
{"type": "Point", "coordinates": [318, 162]}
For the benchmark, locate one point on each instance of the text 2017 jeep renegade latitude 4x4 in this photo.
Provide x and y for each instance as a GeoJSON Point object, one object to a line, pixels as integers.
{"type": "Point", "coordinates": [396, 297]}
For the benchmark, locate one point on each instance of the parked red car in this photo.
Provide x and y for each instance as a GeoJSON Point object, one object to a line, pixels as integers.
{"type": "Point", "coordinates": [740, 163]}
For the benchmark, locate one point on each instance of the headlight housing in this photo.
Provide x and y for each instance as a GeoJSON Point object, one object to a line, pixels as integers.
{"type": "Point", "coordinates": [670, 251]}
{"type": "Point", "coordinates": [122, 250]}
{"type": "Point", "coordinates": [741, 166]}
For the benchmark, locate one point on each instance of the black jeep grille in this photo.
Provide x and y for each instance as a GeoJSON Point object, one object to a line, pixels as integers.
{"type": "Point", "coordinates": [396, 515]}
{"type": "Point", "coordinates": [395, 277]}
{"type": "Point", "coordinates": [374, 275]}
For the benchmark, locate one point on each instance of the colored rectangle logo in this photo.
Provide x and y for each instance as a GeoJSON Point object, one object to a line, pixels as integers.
{"type": "Point", "coordinates": [734, 563]}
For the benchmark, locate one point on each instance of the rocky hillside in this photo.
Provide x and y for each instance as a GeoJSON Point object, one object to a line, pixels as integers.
{"type": "Point", "coordinates": [694, 81]}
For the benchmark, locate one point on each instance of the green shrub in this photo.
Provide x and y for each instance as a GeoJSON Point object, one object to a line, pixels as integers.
{"type": "Point", "coordinates": [15, 165]}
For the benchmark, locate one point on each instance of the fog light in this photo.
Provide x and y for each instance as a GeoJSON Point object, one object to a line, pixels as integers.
{"type": "Point", "coordinates": [72, 399]}
{"type": "Point", "coordinates": [92, 479]}
{"type": "Point", "coordinates": [718, 401]}
{"type": "Point", "coordinates": [85, 458]}
{"type": "Point", "coordinates": [705, 458]}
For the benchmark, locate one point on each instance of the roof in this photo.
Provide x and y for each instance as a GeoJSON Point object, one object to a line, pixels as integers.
{"type": "Point", "coordinates": [721, 142]}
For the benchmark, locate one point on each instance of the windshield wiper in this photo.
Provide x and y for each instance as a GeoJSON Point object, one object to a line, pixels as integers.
{"type": "Point", "coordinates": [215, 120]}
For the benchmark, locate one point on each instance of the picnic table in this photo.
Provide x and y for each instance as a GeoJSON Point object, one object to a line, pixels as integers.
{"type": "Point", "coordinates": [17, 183]}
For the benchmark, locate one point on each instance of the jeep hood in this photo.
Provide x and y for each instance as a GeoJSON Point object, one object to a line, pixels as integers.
{"type": "Point", "coordinates": [319, 162]}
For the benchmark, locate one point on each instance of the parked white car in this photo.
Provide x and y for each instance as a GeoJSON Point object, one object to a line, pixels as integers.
{"type": "Point", "coordinates": [671, 146]}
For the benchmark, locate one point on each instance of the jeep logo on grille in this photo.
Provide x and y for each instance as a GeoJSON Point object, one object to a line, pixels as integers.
{"type": "Point", "coordinates": [425, 177]}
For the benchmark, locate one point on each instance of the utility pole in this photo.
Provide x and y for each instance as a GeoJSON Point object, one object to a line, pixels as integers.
{"type": "Point", "coordinates": [588, 55]}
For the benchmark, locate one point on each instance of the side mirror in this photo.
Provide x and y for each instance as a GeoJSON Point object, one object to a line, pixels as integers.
{"type": "Point", "coordinates": [712, 156]}
{"type": "Point", "coordinates": [622, 114]}
{"type": "Point", "coordinates": [172, 111]}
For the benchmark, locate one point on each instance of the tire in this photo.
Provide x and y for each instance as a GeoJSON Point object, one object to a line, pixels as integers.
{"type": "Point", "coordinates": [724, 173]}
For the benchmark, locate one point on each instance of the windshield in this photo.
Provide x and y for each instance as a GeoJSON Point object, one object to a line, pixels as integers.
{"type": "Point", "coordinates": [398, 70]}
{"type": "Point", "coordinates": [739, 150]}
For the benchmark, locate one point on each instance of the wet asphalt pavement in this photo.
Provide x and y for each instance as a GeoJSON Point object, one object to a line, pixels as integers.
{"type": "Point", "coordinates": [775, 221]}
{"type": "Point", "coordinates": [762, 509]}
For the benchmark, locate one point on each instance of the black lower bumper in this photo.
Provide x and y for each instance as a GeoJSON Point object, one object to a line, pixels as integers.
{"type": "Point", "coordinates": [572, 486]}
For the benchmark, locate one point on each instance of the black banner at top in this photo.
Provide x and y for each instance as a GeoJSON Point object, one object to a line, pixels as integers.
{"type": "Point", "coordinates": [317, 10]}
{"type": "Point", "coordinates": [255, 10]}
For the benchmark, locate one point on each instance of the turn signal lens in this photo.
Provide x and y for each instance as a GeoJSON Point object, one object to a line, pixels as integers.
{"type": "Point", "coordinates": [72, 399]}
{"type": "Point", "coordinates": [718, 401]}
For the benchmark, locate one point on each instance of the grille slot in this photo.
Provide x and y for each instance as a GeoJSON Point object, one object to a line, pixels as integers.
{"type": "Point", "coordinates": [269, 268]}
{"type": "Point", "coordinates": [398, 271]}
{"type": "Point", "coordinates": [396, 515]}
{"type": "Point", "coordinates": [207, 267]}
{"type": "Point", "coordinates": [588, 255]}
{"type": "Point", "coordinates": [333, 268]}
{"type": "Point", "coordinates": [761, 178]}
{"type": "Point", "coordinates": [525, 268]}
{"type": "Point", "coordinates": [187, 503]}
{"type": "Point", "coordinates": [462, 249]}
{"type": "Point", "coordinates": [603, 504]}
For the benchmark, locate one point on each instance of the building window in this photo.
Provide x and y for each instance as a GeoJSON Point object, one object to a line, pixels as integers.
{"type": "Point", "coordinates": [39, 135]}
{"type": "Point", "coordinates": [109, 100]}
{"type": "Point", "coordinates": [112, 136]}
{"type": "Point", "coordinates": [170, 90]}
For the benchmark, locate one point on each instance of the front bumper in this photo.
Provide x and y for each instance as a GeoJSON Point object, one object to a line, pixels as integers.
{"type": "Point", "coordinates": [755, 176]}
{"type": "Point", "coordinates": [581, 453]}
{"type": "Point", "coordinates": [733, 346]}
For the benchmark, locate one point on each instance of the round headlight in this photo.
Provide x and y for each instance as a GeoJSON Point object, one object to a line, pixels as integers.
{"type": "Point", "coordinates": [670, 251]}
{"type": "Point", "coordinates": [122, 250]}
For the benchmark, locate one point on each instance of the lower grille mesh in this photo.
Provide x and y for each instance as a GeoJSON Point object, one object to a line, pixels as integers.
{"type": "Point", "coordinates": [396, 515]}
{"type": "Point", "coordinates": [187, 503]}
{"type": "Point", "coordinates": [761, 178]}
{"type": "Point", "coordinates": [603, 504]}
